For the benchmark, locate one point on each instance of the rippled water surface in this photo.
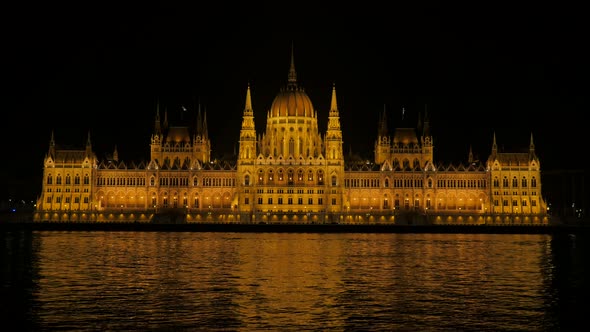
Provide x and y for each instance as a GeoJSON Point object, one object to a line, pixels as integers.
{"type": "Point", "coordinates": [276, 281]}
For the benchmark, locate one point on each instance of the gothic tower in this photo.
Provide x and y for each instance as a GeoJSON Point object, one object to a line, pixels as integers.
{"type": "Point", "coordinates": [383, 142]}
{"type": "Point", "coordinates": [246, 156]}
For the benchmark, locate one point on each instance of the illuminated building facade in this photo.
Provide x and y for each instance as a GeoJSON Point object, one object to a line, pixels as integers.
{"type": "Point", "coordinates": [291, 172]}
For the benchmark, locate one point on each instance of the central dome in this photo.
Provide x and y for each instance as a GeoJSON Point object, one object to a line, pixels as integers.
{"type": "Point", "coordinates": [292, 101]}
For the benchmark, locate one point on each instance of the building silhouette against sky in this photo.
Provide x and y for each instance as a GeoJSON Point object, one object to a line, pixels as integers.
{"type": "Point", "coordinates": [292, 171]}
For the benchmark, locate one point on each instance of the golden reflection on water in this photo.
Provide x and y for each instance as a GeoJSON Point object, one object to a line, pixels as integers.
{"type": "Point", "coordinates": [135, 280]}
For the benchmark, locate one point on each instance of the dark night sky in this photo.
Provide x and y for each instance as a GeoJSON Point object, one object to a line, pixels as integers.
{"type": "Point", "coordinates": [480, 69]}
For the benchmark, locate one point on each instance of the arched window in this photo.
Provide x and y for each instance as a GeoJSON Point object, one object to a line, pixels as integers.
{"type": "Point", "coordinates": [247, 180]}
{"type": "Point", "coordinates": [496, 183]}
{"type": "Point", "coordinates": [86, 179]}
{"type": "Point", "coordinates": [534, 182]}
{"type": "Point", "coordinates": [152, 181]}
{"type": "Point", "coordinates": [505, 182]}
{"type": "Point", "coordinates": [58, 179]}
{"type": "Point", "coordinates": [524, 182]}
{"type": "Point", "coordinates": [514, 182]}
{"type": "Point", "coordinates": [334, 182]}
{"type": "Point", "coordinates": [49, 179]}
{"type": "Point", "coordinates": [386, 183]}
{"type": "Point", "coordinates": [195, 181]}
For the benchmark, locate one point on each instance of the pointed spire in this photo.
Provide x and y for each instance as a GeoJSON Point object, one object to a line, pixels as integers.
{"type": "Point", "coordinates": [248, 117]}
{"type": "Point", "coordinates": [333, 136]}
{"type": "Point", "coordinates": [52, 144]}
{"type": "Point", "coordinates": [426, 122]}
{"type": "Point", "coordinates": [494, 145]}
{"type": "Point", "coordinates": [470, 157]}
{"type": "Point", "coordinates": [248, 106]}
{"type": "Point", "coordinates": [333, 104]}
{"type": "Point", "coordinates": [165, 119]}
{"type": "Point", "coordinates": [532, 148]}
{"type": "Point", "coordinates": [205, 131]}
{"type": "Point", "coordinates": [199, 121]}
{"type": "Point", "coordinates": [116, 154]}
{"type": "Point", "coordinates": [292, 80]}
{"type": "Point", "coordinates": [419, 125]}
{"type": "Point", "coordinates": [88, 144]}
{"type": "Point", "coordinates": [157, 124]}
{"type": "Point", "coordinates": [248, 146]}
{"type": "Point", "coordinates": [383, 123]}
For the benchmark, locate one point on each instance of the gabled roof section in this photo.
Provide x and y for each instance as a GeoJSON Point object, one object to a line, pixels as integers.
{"type": "Point", "coordinates": [136, 165]}
{"type": "Point", "coordinates": [177, 135]}
{"type": "Point", "coordinates": [513, 159]}
{"type": "Point", "coordinates": [111, 165]}
{"type": "Point", "coordinates": [429, 167]}
{"type": "Point", "coordinates": [405, 136]}
{"type": "Point", "coordinates": [476, 167]}
{"type": "Point", "coordinates": [362, 166]}
{"type": "Point", "coordinates": [69, 156]}
{"type": "Point", "coordinates": [153, 165]}
{"type": "Point", "coordinates": [224, 165]}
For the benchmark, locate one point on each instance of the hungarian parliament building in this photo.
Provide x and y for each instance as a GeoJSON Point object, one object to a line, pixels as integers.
{"type": "Point", "coordinates": [290, 173]}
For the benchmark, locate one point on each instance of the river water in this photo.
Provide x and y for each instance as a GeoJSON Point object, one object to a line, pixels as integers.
{"type": "Point", "coordinates": [98, 280]}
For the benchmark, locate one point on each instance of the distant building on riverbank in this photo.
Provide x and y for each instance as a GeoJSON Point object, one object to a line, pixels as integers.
{"type": "Point", "coordinates": [292, 172]}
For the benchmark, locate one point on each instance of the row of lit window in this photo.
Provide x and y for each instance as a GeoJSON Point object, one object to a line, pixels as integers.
{"type": "Point", "coordinates": [514, 193]}
{"type": "Point", "coordinates": [523, 182]}
{"type": "Point", "coordinates": [120, 181]}
{"type": "Point", "coordinates": [67, 190]}
{"type": "Point", "coordinates": [289, 200]}
{"type": "Point", "coordinates": [414, 183]}
{"type": "Point", "coordinates": [289, 191]}
{"type": "Point", "coordinates": [506, 202]}
{"type": "Point", "coordinates": [68, 179]}
{"type": "Point", "coordinates": [67, 199]}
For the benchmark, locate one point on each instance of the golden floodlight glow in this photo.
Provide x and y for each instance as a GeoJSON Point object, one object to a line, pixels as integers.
{"type": "Point", "coordinates": [293, 144]}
